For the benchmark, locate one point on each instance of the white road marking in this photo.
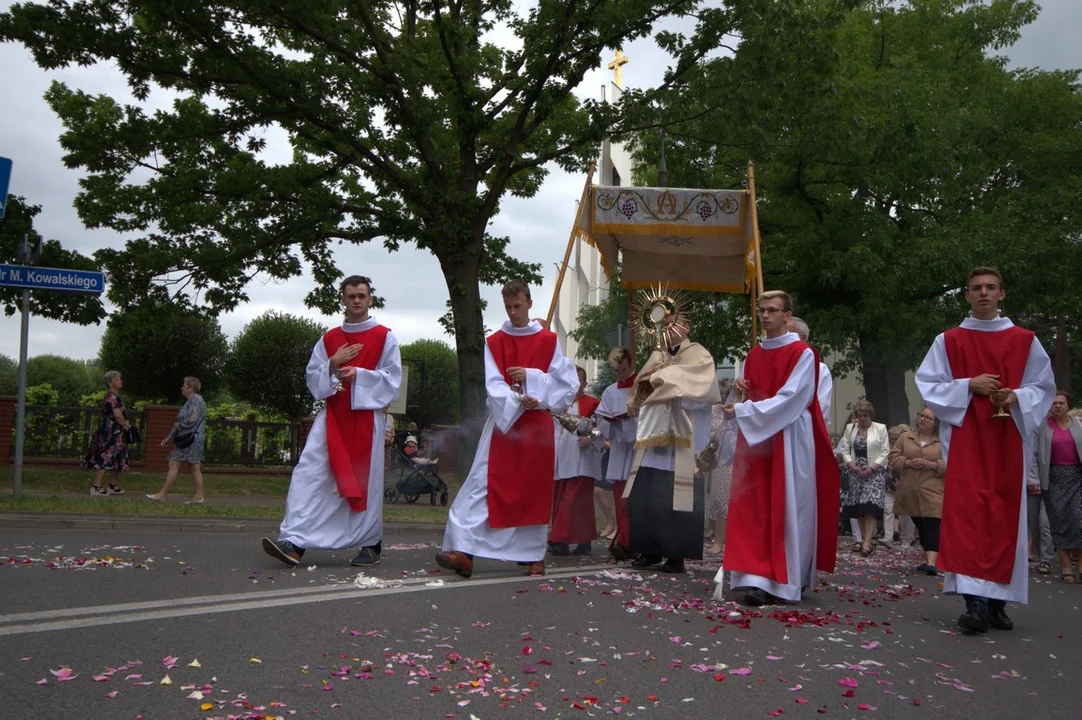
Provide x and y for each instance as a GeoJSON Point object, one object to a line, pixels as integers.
{"type": "Point", "coordinates": [124, 613]}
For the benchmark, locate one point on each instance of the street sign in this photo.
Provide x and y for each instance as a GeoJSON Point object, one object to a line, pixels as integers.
{"type": "Point", "coordinates": [5, 181]}
{"type": "Point", "coordinates": [76, 282]}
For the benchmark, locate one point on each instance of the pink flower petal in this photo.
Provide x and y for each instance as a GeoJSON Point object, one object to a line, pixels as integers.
{"type": "Point", "coordinates": [848, 682]}
{"type": "Point", "coordinates": [111, 695]}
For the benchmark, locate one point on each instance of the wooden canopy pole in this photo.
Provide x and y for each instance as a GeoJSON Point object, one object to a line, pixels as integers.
{"type": "Point", "coordinates": [570, 246]}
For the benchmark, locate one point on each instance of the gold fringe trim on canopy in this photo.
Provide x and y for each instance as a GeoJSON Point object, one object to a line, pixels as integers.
{"type": "Point", "coordinates": [668, 440]}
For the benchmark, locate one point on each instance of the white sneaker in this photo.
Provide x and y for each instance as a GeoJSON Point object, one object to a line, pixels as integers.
{"type": "Point", "coordinates": [114, 490]}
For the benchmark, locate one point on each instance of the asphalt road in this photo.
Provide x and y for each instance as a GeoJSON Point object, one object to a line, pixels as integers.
{"type": "Point", "coordinates": [233, 634]}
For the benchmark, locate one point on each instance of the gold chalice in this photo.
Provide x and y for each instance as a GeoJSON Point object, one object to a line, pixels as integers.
{"type": "Point", "coordinates": [1000, 398]}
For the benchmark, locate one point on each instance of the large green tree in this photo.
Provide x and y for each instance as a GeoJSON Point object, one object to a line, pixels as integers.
{"type": "Point", "coordinates": [17, 223]}
{"type": "Point", "coordinates": [407, 122]}
{"type": "Point", "coordinates": [895, 150]}
{"type": "Point", "coordinates": [9, 376]}
{"type": "Point", "coordinates": [70, 378]}
{"type": "Point", "coordinates": [267, 360]}
{"type": "Point", "coordinates": [157, 344]}
{"type": "Point", "coordinates": [433, 382]}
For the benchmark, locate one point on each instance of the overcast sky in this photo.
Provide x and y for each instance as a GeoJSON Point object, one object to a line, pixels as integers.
{"type": "Point", "coordinates": [409, 280]}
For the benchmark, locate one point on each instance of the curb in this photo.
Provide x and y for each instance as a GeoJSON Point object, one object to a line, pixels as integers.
{"type": "Point", "coordinates": [50, 521]}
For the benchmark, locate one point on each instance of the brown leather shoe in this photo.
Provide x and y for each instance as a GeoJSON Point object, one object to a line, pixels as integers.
{"type": "Point", "coordinates": [462, 565]}
{"type": "Point", "coordinates": [537, 569]}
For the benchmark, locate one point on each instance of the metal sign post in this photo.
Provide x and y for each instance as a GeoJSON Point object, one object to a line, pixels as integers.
{"type": "Point", "coordinates": [25, 275]}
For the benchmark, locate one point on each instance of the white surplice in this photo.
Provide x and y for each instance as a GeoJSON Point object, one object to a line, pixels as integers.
{"type": "Point", "coordinates": [949, 399]}
{"type": "Point", "coordinates": [826, 391]}
{"type": "Point", "coordinates": [786, 413]}
{"type": "Point", "coordinates": [573, 460]}
{"type": "Point", "coordinates": [619, 433]}
{"type": "Point", "coordinates": [467, 522]}
{"type": "Point", "coordinates": [663, 457]}
{"type": "Point", "coordinates": [316, 515]}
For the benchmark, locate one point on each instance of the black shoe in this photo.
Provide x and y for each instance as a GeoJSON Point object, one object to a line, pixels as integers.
{"type": "Point", "coordinates": [645, 561]}
{"type": "Point", "coordinates": [618, 553]}
{"type": "Point", "coordinates": [582, 549]}
{"type": "Point", "coordinates": [931, 570]}
{"type": "Point", "coordinates": [560, 549]}
{"type": "Point", "coordinates": [365, 558]}
{"type": "Point", "coordinates": [673, 565]}
{"type": "Point", "coordinates": [283, 550]}
{"type": "Point", "coordinates": [997, 616]}
{"type": "Point", "coordinates": [757, 598]}
{"type": "Point", "coordinates": [975, 618]}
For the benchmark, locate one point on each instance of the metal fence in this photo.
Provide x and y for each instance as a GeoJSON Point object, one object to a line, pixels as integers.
{"type": "Point", "coordinates": [252, 443]}
{"type": "Point", "coordinates": [65, 432]}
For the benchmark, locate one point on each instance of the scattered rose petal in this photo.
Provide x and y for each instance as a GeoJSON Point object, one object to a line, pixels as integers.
{"type": "Point", "coordinates": [848, 682]}
{"type": "Point", "coordinates": [166, 680]}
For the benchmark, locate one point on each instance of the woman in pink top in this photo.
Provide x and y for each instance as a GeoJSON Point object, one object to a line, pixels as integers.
{"type": "Point", "coordinates": [1057, 468]}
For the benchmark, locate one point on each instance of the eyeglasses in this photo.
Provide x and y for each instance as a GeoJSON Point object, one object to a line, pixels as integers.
{"type": "Point", "coordinates": [768, 311]}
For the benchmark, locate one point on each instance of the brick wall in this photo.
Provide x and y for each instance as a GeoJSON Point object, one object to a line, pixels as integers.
{"type": "Point", "coordinates": [159, 421]}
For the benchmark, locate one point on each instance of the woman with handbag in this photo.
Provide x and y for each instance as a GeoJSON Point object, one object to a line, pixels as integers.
{"type": "Point", "coordinates": [188, 436]}
{"type": "Point", "coordinates": [108, 448]}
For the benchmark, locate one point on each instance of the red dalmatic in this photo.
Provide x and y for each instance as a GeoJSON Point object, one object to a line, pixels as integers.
{"type": "Point", "coordinates": [755, 534]}
{"type": "Point", "coordinates": [349, 431]}
{"type": "Point", "coordinates": [588, 405]}
{"type": "Point", "coordinates": [981, 493]}
{"type": "Point", "coordinates": [522, 461]}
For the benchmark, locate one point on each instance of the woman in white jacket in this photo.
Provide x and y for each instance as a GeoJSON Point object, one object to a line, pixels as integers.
{"type": "Point", "coordinates": [865, 451]}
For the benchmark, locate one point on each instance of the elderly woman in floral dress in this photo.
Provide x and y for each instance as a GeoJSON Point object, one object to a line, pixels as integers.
{"type": "Point", "coordinates": [865, 451]}
{"type": "Point", "coordinates": [108, 446]}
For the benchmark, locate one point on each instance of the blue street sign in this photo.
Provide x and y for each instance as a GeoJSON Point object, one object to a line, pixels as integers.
{"type": "Point", "coordinates": [5, 180]}
{"type": "Point", "coordinates": [76, 282]}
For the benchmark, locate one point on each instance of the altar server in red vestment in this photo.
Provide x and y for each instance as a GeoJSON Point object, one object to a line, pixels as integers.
{"type": "Point", "coordinates": [983, 536]}
{"type": "Point", "coordinates": [578, 464]}
{"type": "Point", "coordinates": [335, 498]}
{"type": "Point", "coordinates": [619, 429]}
{"type": "Point", "coordinates": [503, 509]}
{"type": "Point", "coordinates": [783, 505]}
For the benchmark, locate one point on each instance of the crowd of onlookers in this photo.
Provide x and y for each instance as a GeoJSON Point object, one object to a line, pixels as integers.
{"type": "Point", "coordinates": [893, 483]}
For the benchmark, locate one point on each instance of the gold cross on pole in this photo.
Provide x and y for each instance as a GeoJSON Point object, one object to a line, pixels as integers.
{"type": "Point", "coordinates": [617, 68]}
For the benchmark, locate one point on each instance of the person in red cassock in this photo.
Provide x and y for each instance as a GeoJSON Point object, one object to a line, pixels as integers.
{"type": "Point", "coordinates": [983, 541]}
{"type": "Point", "coordinates": [335, 498]}
{"type": "Point", "coordinates": [503, 509]}
{"type": "Point", "coordinates": [783, 503]}
{"type": "Point", "coordinates": [578, 464]}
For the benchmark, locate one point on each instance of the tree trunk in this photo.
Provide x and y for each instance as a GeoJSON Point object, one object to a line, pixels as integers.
{"type": "Point", "coordinates": [1062, 366]}
{"type": "Point", "coordinates": [884, 387]}
{"type": "Point", "coordinates": [465, 295]}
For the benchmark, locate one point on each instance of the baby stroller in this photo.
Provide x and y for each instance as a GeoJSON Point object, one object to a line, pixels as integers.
{"type": "Point", "coordinates": [411, 479]}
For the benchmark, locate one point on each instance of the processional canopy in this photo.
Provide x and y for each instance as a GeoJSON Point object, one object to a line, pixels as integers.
{"type": "Point", "coordinates": [685, 239]}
